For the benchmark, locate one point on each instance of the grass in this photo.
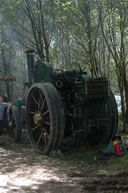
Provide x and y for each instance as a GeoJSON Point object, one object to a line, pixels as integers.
{"type": "Point", "coordinates": [117, 163]}
{"type": "Point", "coordinates": [83, 156]}
{"type": "Point", "coordinates": [76, 157]}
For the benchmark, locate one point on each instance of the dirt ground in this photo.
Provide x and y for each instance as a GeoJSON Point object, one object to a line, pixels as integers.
{"type": "Point", "coordinates": [22, 170]}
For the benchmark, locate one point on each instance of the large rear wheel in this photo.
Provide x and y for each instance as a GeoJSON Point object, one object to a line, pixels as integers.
{"type": "Point", "coordinates": [45, 117]}
{"type": "Point", "coordinates": [102, 134]}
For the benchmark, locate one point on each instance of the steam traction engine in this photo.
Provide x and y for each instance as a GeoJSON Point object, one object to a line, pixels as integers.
{"type": "Point", "coordinates": [62, 104]}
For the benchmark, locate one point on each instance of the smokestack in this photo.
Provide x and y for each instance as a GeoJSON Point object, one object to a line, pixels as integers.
{"type": "Point", "coordinates": [30, 63]}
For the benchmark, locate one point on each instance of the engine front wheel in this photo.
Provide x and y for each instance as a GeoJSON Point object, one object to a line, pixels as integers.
{"type": "Point", "coordinates": [45, 117]}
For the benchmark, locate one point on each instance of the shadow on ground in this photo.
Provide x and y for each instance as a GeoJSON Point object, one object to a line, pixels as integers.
{"type": "Point", "coordinates": [23, 170]}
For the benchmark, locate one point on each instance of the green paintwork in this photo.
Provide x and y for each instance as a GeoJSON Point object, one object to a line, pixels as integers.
{"type": "Point", "coordinates": [18, 103]}
{"type": "Point", "coordinates": [43, 73]}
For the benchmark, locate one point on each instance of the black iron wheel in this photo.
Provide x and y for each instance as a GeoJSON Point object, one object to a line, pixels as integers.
{"type": "Point", "coordinates": [14, 125]}
{"type": "Point", "coordinates": [44, 117]}
{"type": "Point", "coordinates": [102, 135]}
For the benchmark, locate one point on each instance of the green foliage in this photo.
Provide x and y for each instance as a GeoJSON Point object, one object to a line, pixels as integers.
{"type": "Point", "coordinates": [69, 33]}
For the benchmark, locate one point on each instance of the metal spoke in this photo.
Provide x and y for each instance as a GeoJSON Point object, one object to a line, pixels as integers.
{"type": "Point", "coordinates": [45, 130]}
{"type": "Point", "coordinates": [39, 139]}
{"type": "Point", "coordinates": [39, 104]}
{"type": "Point", "coordinates": [32, 112]}
{"type": "Point", "coordinates": [35, 127]}
{"type": "Point", "coordinates": [41, 96]}
{"type": "Point", "coordinates": [45, 136]}
{"type": "Point", "coordinates": [35, 100]}
{"type": "Point", "coordinates": [47, 123]}
{"type": "Point", "coordinates": [40, 100]}
{"type": "Point", "coordinates": [46, 112]}
{"type": "Point", "coordinates": [43, 104]}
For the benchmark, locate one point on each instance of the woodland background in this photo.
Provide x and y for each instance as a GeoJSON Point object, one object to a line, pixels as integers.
{"type": "Point", "coordinates": [92, 34]}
